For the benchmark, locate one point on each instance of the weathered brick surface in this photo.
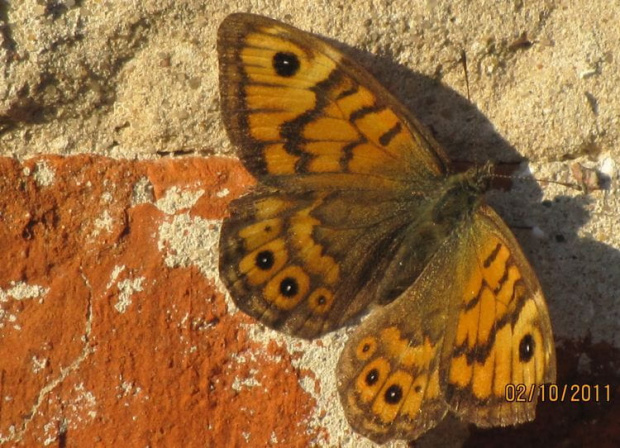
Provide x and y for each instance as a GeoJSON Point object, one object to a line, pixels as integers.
{"type": "Point", "coordinates": [109, 336]}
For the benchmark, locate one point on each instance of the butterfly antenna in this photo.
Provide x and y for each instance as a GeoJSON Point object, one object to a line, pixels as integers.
{"type": "Point", "coordinates": [511, 177]}
{"type": "Point", "coordinates": [464, 62]}
{"type": "Point", "coordinates": [576, 186]}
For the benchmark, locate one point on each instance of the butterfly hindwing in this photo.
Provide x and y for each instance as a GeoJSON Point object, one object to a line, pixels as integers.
{"type": "Point", "coordinates": [295, 263]}
{"type": "Point", "coordinates": [389, 372]}
{"type": "Point", "coordinates": [389, 378]}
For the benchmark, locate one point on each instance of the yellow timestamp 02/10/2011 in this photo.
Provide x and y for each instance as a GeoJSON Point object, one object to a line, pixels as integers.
{"type": "Point", "coordinates": [575, 393]}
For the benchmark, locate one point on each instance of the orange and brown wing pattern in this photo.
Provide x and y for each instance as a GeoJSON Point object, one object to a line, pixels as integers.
{"type": "Point", "coordinates": [457, 339]}
{"type": "Point", "coordinates": [390, 371]}
{"type": "Point", "coordinates": [354, 206]}
{"type": "Point", "coordinates": [389, 380]}
{"type": "Point", "coordinates": [502, 333]}
{"type": "Point", "coordinates": [295, 105]}
{"type": "Point", "coordinates": [333, 152]}
{"type": "Point", "coordinates": [274, 269]}
{"type": "Point", "coordinates": [289, 261]}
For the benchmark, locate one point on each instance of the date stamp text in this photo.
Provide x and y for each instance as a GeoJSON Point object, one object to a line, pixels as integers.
{"type": "Point", "coordinates": [575, 393]}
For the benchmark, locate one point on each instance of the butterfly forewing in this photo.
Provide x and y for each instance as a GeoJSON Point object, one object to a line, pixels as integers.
{"type": "Point", "coordinates": [295, 105]}
{"type": "Point", "coordinates": [501, 336]}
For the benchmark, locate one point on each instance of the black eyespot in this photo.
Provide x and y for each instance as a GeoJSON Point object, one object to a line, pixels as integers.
{"type": "Point", "coordinates": [289, 287]}
{"type": "Point", "coordinates": [526, 348]}
{"type": "Point", "coordinates": [366, 347]}
{"type": "Point", "coordinates": [285, 64]}
{"type": "Point", "coordinates": [264, 260]}
{"type": "Point", "coordinates": [321, 300]}
{"type": "Point", "coordinates": [393, 394]}
{"type": "Point", "coordinates": [372, 377]}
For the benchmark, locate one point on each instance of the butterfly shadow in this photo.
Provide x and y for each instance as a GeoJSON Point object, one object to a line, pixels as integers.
{"type": "Point", "coordinates": [579, 275]}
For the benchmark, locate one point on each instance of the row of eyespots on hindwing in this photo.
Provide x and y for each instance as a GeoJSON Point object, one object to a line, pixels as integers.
{"type": "Point", "coordinates": [394, 380]}
{"type": "Point", "coordinates": [267, 265]}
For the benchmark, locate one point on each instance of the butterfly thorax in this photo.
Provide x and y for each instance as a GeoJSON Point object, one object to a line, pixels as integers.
{"type": "Point", "coordinates": [447, 207]}
{"type": "Point", "coordinates": [461, 195]}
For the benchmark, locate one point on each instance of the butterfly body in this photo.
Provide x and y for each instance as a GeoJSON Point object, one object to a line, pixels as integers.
{"type": "Point", "coordinates": [357, 207]}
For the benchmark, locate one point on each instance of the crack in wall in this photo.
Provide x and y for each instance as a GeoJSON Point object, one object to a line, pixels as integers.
{"type": "Point", "coordinates": [18, 435]}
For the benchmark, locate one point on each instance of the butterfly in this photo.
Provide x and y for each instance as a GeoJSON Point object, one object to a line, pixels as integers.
{"type": "Point", "coordinates": [357, 208]}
